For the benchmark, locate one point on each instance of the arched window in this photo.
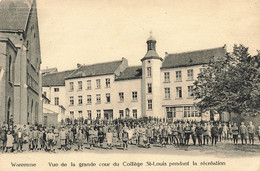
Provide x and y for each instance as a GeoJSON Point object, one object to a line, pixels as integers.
{"type": "Point", "coordinates": [8, 111]}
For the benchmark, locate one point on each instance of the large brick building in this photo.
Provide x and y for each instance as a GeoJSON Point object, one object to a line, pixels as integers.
{"type": "Point", "coordinates": [160, 87]}
{"type": "Point", "coordinates": [20, 50]}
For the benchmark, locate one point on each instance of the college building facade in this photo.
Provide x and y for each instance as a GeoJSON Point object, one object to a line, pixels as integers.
{"type": "Point", "coordinates": [159, 87]}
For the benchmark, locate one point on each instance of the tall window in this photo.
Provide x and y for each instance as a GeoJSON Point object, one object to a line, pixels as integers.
{"type": "Point", "coordinates": [179, 92]}
{"type": "Point", "coordinates": [72, 114]}
{"type": "Point", "coordinates": [89, 114]}
{"type": "Point", "coordinates": [171, 112]}
{"type": "Point", "coordinates": [134, 95]}
{"type": "Point", "coordinates": [56, 100]}
{"type": "Point", "coordinates": [88, 84]}
{"type": "Point", "coordinates": [10, 69]}
{"type": "Point", "coordinates": [178, 76]}
{"type": "Point", "coordinates": [149, 71]}
{"type": "Point", "coordinates": [135, 113]}
{"type": "Point", "coordinates": [71, 86]}
{"type": "Point", "coordinates": [79, 85]}
{"type": "Point", "coordinates": [167, 93]}
{"type": "Point", "coordinates": [89, 101]}
{"type": "Point", "coordinates": [149, 87]}
{"type": "Point", "coordinates": [98, 97]}
{"type": "Point", "coordinates": [98, 114]}
{"type": "Point", "coordinates": [150, 104]}
{"type": "Point", "coordinates": [56, 89]}
{"type": "Point", "coordinates": [71, 100]}
{"type": "Point", "coordinates": [108, 97]}
{"type": "Point", "coordinates": [190, 74]}
{"type": "Point", "coordinates": [107, 82]}
{"type": "Point", "coordinates": [121, 96]}
{"type": "Point", "coordinates": [121, 113]}
{"type": "Point", "coordinates": [166, 77]}
{"type": "Point", "coordinates": [80, 113]}
{"type": "Point", "coordinates": [79, 100]}
{"type": "Point", "coordinates": [98, 83]}
{"type": "Point", "coordinates": [190, 91]}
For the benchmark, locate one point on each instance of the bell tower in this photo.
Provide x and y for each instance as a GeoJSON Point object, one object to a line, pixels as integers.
{"type": "Point", "coordinates": [151, 83]}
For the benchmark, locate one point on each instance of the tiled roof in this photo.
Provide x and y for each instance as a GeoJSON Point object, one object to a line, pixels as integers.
{"type": "Point", "coordinates": [49, 70]}
{"type": "Point", "coordinates": [13, 14]}
{"type": "Point", "coordinates": [55, 79]}
{"type": "Point", "coordinates": [192, 58]}
{"type": "Point", "coordinates": [133, 72]}
{"type": "Point", "coordinates": [96, 69]}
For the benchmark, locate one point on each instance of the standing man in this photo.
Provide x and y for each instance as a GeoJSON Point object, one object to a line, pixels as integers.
{"type": "Point", "coordinates": [20, 140]}
{"type": "Point", "coordinates": [235, 131]}
{"type": "Point", "coordinates": [214, 134]}
{"type": "Point", "coordinates": [199, 131]}
{"type": "Point", "coordinates": [251, 132]}
{"type": "Point", "coordinates": [243, 133]}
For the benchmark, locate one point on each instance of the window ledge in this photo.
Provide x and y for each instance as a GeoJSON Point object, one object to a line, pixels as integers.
{"type": "Point", "coordinates": [167, 82]}
{"type": "Point", "coordinates": [79, 90]}
{"type": "Point", "coordinates": [178, 81]}
{"type": "Point", "coordinates": [98, 103]}
{"type": "Point", "coordinates": [88, 104]}
{"type": "Point", "coordinates": [71, 105]}
{"type": "Point", "coordinates": [88, 89]}
{"type": "Point", "coordinates": [178, 98]}
{"type": "Point", "coordinates": [190, 97]}
{"type": "Point", "coordinates": [98, 88]}
{"type": "Point", "coordinates": [167, 99]}
{"type": "Point", "coordinates": [107, 87]}
{"type": "Point", "coordinates": [190, 80]}
{"type": "Point", "coordinates": [149, 109]}
{"type": "Point", "coordinates": [108, 103]}
{"type": "Point", "coordinates": [71, 90]}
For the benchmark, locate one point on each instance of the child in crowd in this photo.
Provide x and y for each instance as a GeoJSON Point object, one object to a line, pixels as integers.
{"type": "Point", "coordinates": [109, 136]}
{"type": "Point", "coordinates": [9, 142]}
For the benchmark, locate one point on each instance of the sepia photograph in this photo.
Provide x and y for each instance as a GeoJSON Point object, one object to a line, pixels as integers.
{"type": "Point", "coordinates": [130, 85]}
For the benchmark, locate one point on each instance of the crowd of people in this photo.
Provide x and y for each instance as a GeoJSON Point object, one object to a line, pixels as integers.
{"type": "Point", "coordinates": [120, 135]}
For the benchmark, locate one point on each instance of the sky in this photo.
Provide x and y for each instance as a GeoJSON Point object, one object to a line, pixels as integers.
{"type": "Point", "coordinates": [96, 31]}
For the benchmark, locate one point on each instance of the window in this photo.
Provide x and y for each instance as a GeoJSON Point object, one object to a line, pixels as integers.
{"type": "Point", "coordinates": [202, 70]}
{"type": "Point", "coordinates": [72, 113]}
{"type": "Point", "coordinates": [56, 100]}
{"type": "Point", "coordinates": [71, 86]}
{"type": "Point", "coordinates": [179, 92]}
{"type": "Point", "coordinates": [79, 100]}
{"type": "Point", "coordinates": [135, 113]}
{"type": "Point", "coordinates": [98, 114]}
{"type": "Point", "coordinates": [191, 111]}
{"type": "Point", "coordinates": [178, 76]}
{"type": "Point", "coordinates": [107, 82]}
{"type": "Point", "coordinates": [71, 100]}
{"type": "Point", "coordinates": [89, 101]}
{"type": "Point", "coordinates": [171, 112]}
{"type": "Point", "coordinates": [134, 95]}
{"type": "Point", "coordinates": [150, 104]}
{"type": "Point", "coordinates": [10, 69]}
{"type": "Point", "coordinates": [80, 113]}
{"type": "Point", "coordinates": [149, 87]}
{"type": "Point", "coordinates": [149, 71]}
{"type": "Point", "coordinates": [121, 96]}
{"type": "Point", "coordinates": [167, 93]}
{"type": "Point", "coordinates": [88, 84]}
{"type": "Point", "coordinates": [121, 113]}
{"type": "Point", "coordinates": [190, 91]}
{"type": "Point", "coordinates": [190, 74]}
{"type": "Point", "coordinates": [98, 97]}
{"type": "Point", "coordinates": [166, 77]}
{"type": "Point", "coordinates": [56, 89]}
{"type": "Point", "coordinates": [108, 97]}
{"type": "Point", "coordinates": [79, 85]}
{"type": "Point", "coordinates": [98, 83]}
{"type": "Point", "coordinates": [89, 114]}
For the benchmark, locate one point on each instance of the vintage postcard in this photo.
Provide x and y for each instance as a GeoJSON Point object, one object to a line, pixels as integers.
{"type": "Point", "coordinates": [129, 85]}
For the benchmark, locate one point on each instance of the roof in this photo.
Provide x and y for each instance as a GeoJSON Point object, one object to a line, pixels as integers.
{"type": "Point", "coordinates": [55, 79]}
{"type": "Point", "coordinates": [192, 58]}
{"type": "Point", "coordinates": [49, 70]}
{"type": "Point", "coordinates": [96, 69]}
{"type": "Point", "coordinates": [14, 14]}
{"type": "Point", "coordinates": [133, 72]}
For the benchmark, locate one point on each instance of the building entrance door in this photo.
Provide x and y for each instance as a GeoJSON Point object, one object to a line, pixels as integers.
{"type": "Point", "coordinates": [108, 114]}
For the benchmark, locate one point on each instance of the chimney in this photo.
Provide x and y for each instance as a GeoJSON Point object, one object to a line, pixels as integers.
{"type": "Point", "coordinates": [78, 65]}
{"type": "Point", "coordinates": [166, 54]}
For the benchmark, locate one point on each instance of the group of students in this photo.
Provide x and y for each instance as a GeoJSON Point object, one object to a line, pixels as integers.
{"type": "Point", "coordinates": [119, 135]}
